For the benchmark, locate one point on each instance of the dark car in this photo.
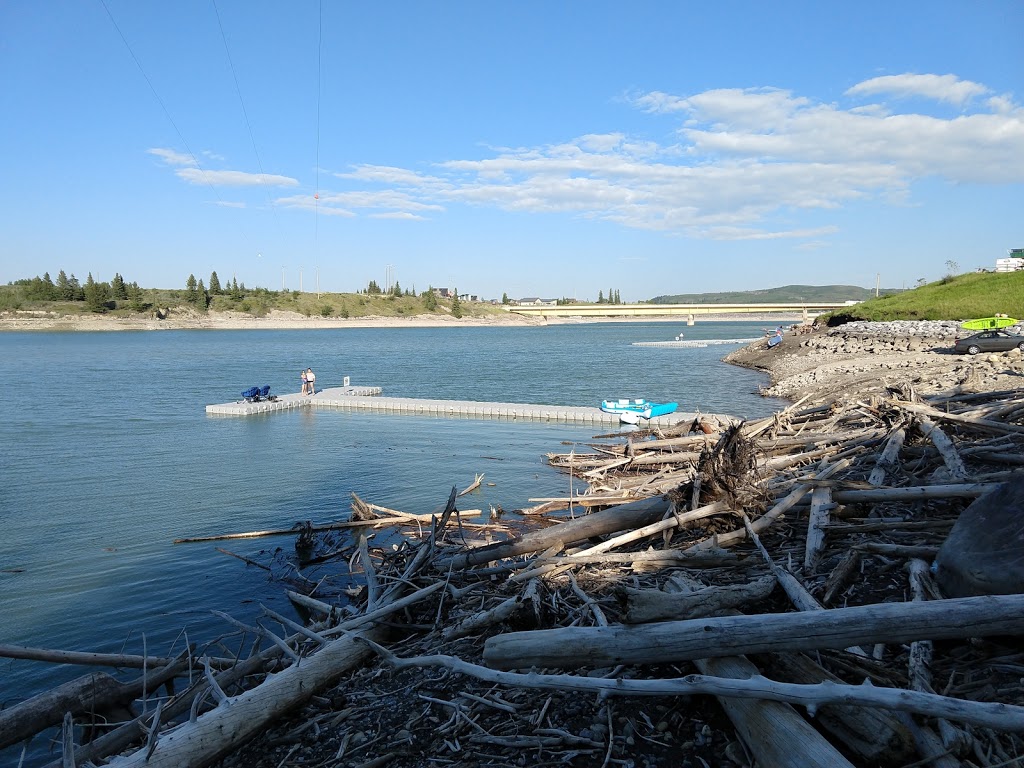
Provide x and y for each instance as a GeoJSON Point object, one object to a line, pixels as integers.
{"type": "Point", "coordinates": [989, 341]}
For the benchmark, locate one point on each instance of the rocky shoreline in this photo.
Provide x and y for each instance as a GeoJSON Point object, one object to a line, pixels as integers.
{"type": "Point", "coordinates": [857, 360]}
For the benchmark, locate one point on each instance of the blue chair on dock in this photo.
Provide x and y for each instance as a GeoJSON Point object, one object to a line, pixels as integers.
{"type": "Point", "coordinates": [251, 395]}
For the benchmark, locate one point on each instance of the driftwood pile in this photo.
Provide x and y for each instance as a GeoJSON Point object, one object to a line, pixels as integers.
{"type": "Point", "coordinates": [759, 594]}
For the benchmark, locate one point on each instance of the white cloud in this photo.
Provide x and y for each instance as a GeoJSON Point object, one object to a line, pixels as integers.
{"type": "Point", "coordinates": [233, 178]}
{"type": "Point", "coordinates": [171, 157]}
{"type": "Point", "coordinates": [948, 88]}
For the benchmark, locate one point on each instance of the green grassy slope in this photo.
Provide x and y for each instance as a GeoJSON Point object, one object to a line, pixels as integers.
{"type": "Point", "coordinates": [963, 297]}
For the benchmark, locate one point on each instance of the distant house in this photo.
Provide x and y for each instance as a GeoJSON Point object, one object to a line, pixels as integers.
{"type": "Point", "coordinates": [533, 301]}
{"type": "Point", "coordinates": [442, 293]}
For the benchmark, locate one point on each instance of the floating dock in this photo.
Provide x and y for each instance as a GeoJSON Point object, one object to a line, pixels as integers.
{"type": "Point", "coordinates": [370, 399]}
{"type": "Point", "coordinates": [693, 343]}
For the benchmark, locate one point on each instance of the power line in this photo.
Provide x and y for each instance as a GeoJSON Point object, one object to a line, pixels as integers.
{"type": "Point", "coordinates": [167, 113]}
{"type": "Point", "coordinates": [241, 101]}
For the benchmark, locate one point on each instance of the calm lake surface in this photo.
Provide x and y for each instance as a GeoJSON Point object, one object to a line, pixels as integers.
{"type": "Point", "coordinates": [107, 456]}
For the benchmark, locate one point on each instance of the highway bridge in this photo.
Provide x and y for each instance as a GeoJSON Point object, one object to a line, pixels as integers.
{"type": "Point", "coordinates": [690, 311]}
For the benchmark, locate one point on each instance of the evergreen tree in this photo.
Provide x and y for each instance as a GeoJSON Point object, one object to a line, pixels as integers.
{"type": "Point", "coordinates": [202, 297]}
{"type": "Point", "coordinates": [135, 297]}
{"type": "Point", "coordinates": [397, 290]}
{"type": "Point", "coordinates": [429, 300]}
{"type": "Point", "coordinates": [95, 295]}
{"type": "Point", "coordinates": [600, 297]}
{"type": "Point", "coordinates": [610, 294]}
{"type": "Point", "coordinates": [617, 299]}
{"type": "Point", "coordinates": [118, 287]}
{"type": "Point", "coordinates": [49, 288]}
{"type": "Point", "coordinates": [504, 298]}
{"type": "Point", "coordinates": [64, 287]}
{"type": "Point", "coordinates": [76, 290]}
{"type": "Point", "coordinates": [236, 292]}
{"type": "Point", "coordinates": [456, 304]}
{"type": "Point", "coordinates": [215, 284]}
{"type": "Point", "coordinates": [191, 295]}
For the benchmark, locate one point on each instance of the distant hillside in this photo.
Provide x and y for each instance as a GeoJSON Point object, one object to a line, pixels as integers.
{"type": "Point", "coordinates": [786, 294]}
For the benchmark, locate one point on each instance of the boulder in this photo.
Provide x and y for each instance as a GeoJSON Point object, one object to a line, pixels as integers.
{"type": "Point", "coordinates": [984, 552]}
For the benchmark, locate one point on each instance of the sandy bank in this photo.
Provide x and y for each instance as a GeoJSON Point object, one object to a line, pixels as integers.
{"type": "Point", "coordinates": [180, 319]}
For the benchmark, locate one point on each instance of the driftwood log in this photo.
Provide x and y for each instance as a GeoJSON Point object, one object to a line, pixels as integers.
{"type": "Point", "coordinates": [572, 647]}
{"type": "Point", "coordinates": [620, 518]}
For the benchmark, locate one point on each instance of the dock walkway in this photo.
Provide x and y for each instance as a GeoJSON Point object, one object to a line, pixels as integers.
{"type": "Point", "coordinates": [370, 399]}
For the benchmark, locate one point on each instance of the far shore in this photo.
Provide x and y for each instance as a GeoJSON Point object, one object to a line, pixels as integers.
{"type": "Point", "coordinates": [278, 320]}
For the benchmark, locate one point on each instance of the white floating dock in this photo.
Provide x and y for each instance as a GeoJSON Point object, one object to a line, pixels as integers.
{"type": "Point", "coordinates": [369, 399]}
{"type": "Point", "coordinates": [693, 343]}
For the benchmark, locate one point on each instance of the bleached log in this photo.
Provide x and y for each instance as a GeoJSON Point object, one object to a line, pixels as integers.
{"type": "Point", "coordinates": [912, 493]}
{"type": "Point", "coordinates": [935, 413]}
{"type": "Point", "coordinates": [950, 457]}
{"type": "Point", "coordinates": [874, 734]}
{"type": "Point", "coordinates": [645, 605]}
{"type": "Point", "coordinates": [218, 732]}
{"type": "Point", "coordinates": [888, 460]}
{"type": "Point", "coordinates": [821, 506]}
{"type": "Point", "coordinates": [923, 587]}
{"type": "Point", "coordinates": [503, 611]}
{"type": "Point", "coordinates": [119, 660]}
{"type": "Point", "coordinates": [773, 731]}
{"type": "Point", "coordinates": [673, 520]}
{"type": "Point", "coordinates": [1001, 717]}
{"type": "Point", "coordinates": [95, 692]}
{"type": "Point", "coordinates": [620, 518]}
{"type": "Point", "coordinates": [837, 628]}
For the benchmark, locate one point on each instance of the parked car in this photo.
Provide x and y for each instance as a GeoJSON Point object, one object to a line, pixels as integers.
{"type": "Point", "coordinates": [989, 341]}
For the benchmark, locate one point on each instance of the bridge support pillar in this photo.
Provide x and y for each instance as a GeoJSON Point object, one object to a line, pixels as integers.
{"type": "Point", "coordinates": [805, 317]}
{"type": "Point", "coordinates": [689, 319]}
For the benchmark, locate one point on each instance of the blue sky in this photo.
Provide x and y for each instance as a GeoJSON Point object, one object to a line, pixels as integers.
{"type": "Point", "coordinates": [534, 148]}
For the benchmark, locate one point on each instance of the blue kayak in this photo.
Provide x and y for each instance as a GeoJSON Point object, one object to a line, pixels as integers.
{"type": "Point", "coordinates": [631, 411]}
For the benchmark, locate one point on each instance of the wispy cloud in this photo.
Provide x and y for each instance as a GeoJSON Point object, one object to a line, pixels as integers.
{"type": "Point", "coordinates": [188, 169]}
{"type": "Point", "coordinates": [948, 88]}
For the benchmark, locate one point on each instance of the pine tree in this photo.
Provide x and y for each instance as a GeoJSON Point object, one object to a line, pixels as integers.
{"type": "Point", "coordinates": [191, 294]}
{"type": "Point", "coordinates": [429, 300]}
{"type": "Point", "coordinates": [48, 287]}
{"type": "Point", "coordinates": [215, 288]}
{"type": "Point", "coordinates": [118, 287]}
{"type": "Point", "coordinates": [64, 287]}
{"type": "Point", "coordinates": [504, 298]}
{"type": "Point", "coordinates": [600, 297]}
{"type": "Point", "coordinates": [202, 297]}
{"type": "Point", "coordinates": [397, 291]}
{"type": "Point", "coordinates": [95, 295]}
{"type": "Point", "coordinates": [77, 292]}
{"type": "Point", "coordinates": [456, 305]}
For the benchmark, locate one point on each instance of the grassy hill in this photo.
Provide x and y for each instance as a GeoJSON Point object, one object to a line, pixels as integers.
{"type": "Point", "coordinates": [977, 294]}
{"type": "Point", "coordinates": [787, 294]}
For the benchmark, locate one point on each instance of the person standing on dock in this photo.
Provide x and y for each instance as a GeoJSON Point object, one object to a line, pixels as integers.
{"type": "Point", "coordinates": [311, 381]}
{"type": "Point", "coordinates": [302, 378]}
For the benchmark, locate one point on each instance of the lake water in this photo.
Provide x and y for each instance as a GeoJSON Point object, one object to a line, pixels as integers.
{"type": "Point", "coordinates": [107, 456]}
